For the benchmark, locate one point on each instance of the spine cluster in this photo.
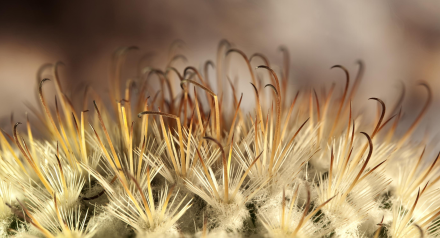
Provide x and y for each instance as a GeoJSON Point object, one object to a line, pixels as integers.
{"type": "Point", "coordinates": [172, 153]}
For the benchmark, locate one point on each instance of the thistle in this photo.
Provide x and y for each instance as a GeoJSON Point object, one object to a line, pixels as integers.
{"type": "Point", "coordinates": [185, 161]}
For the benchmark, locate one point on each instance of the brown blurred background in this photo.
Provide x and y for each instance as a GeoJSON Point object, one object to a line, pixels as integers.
{"type": "Point", "coordinates": [397, 39]}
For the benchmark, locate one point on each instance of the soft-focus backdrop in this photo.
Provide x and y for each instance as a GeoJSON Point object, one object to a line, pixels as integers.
{"type": "Point", "coordinates": [397, 39]}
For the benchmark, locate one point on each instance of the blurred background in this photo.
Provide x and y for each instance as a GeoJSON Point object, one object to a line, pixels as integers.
{"type": "Point", "coordinates": [397, 39]}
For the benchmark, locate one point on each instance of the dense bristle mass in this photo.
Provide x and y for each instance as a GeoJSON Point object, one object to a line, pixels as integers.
{"type": "Point", "coordinates": [189, 160]}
